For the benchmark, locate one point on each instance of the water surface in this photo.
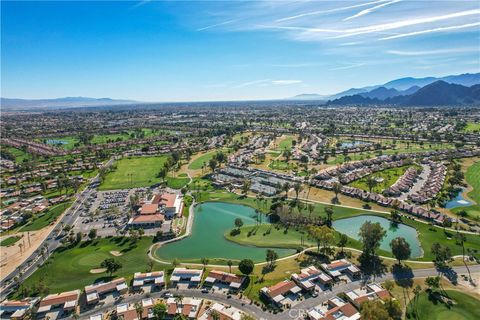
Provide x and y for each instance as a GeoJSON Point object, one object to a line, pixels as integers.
{"type": "Point", "coordinates": [212, 220]}
{"type": "Point", "coordinates": [351, 227]}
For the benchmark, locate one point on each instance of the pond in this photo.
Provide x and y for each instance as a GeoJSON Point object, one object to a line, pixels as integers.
{"type": "Point", "coordinates": [52, 141]}
{"type": "Point", "coordinates": [351, 144]}
{"type": "Point", "coordinates": [351, 227]}
{"type": "Point", "coordinates": [212, 220]}
{"type": "Point", "coordinates": [458, 201]}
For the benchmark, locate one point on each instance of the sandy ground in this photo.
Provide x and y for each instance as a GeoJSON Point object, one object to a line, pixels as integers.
{"type": "Point", "coordinates": [116, 253]}
{"type": "Point", "coordinates": [98, 270]}
{"type": "Point", "coordinates": [11, 256]}
{"type": "Point", "coordinates": [326, 196]}
{"type": "Point", "coordinates": [467, 286]}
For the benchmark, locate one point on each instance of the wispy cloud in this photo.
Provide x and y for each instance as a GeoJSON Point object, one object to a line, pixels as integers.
{"type": "Point", "coordinates": [349, 66]}
{"type": "Point", "coordinates": [286, 82]}
{"type": "Point", "coordinates": [433, 30]}
{"type": "Point", "coordinates": [402, 23]}
{"type": "Point", "coordinates": [317, 12]}
{"type": "Point", "coordinates": [370, 10]}
{"type": "Point", "coordinates": [216, 25]}
{"type": "Point", "coordinates": [433, 52]}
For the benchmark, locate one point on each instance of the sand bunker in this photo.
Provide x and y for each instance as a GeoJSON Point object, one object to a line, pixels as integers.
{"type": "Point", "coordinates": [98, 270]}
{"type": "Point", "coordinates": [116, 253]}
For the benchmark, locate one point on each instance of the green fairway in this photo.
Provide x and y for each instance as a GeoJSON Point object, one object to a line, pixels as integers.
{"type": "Point", "coordinates": [134, 173]}
{"type": "Point", "coordinates": [462, 307]}
{"type": "Point", "coordinates": [69, 268]}
{"type": "Point", "coordinates": [177, 182]}
{"type": "Point", "coordinates": [19, 155]}
{"type": "Point", "coordinates": [9, 241]}
{"type": "Point", "coordinates": [388, 177]}
{"type": "Point", "coordinates": [286, 144]}
{"type": "Point", "coordinates": [205, 158]}
{"type": "Point", "coordinates": [472, 127]}
{"type": "Point", "coordinates": [473, 179]}
{"type": "Point", "coordinates": [44, 219]}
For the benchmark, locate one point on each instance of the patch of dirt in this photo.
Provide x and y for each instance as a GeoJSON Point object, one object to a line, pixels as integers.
{"type": "Point", "coordinates": [98, 270]}
{"type": "Point", "coordinates": [116, 253]}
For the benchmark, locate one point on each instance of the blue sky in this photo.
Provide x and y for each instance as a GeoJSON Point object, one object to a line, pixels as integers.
{"type": "Point", "coordinates": [236, 50]}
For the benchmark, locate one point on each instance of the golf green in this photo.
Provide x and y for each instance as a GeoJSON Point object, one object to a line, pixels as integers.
{"type": "Point", "coordinates": [462, 307]}
{"type": "Point", "coordinates": [212, 220]}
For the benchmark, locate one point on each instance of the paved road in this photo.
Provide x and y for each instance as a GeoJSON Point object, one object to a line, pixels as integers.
{"type": "Point", "coordinates": [234, 301]}
{"type": "Point", "coordinates": [34, 261]}
{"type": "Point", "coordinates": [296, 312]}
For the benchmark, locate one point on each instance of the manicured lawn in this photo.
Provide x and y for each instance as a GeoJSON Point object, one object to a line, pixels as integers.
{"type": "Point", "coordinates": [472, 127]}
{"type": "Point", "coordinates": [389, 177]}
{"type": "Point", "coordinates": [9, 241]}
{"type": "Point", "coordinates": [44, 219]}
{"type": "Point", "coordinates": [134, 173]}
{"type": "Point", "coordinates": [19, 154]}
{"type": "Point", "coordinates": [463, 307]}
{"type": "Point", "coordinates": [69, 268]}
{"type": "Point", "coordinates": [473, 179]}
{"type": "Point", "coordinates": [280, 165]}
{"type": "Point", "coordinates": [286, 144]}
{"type": "Point", "coordinates": [205, 158]}
{"type": "Point", "coordinates": [177, 182]}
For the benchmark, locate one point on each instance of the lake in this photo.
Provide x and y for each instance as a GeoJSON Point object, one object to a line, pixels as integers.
{"type": "Point", "coordinates": [212, 220]}
{"type": "Point", "coordinates": [351, 227]}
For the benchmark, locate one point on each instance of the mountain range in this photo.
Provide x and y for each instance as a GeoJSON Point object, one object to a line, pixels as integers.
{"type": "Point", "coordinates": [438, 93]}
{"type": "Point", "coordinates": [59, 103]}
{"type": "Point", "coordinates": [397, 87]}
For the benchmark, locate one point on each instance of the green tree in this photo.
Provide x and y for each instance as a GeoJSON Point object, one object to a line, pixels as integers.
{"type": "Point", "coordinates": [342, 241]}
{"type": "Point", "coordinates": [323, 236]}
{"type": "Point", "coordinates": [271, 256]}
{"type": "Point", "coordinates": [374, 310]}
{"type": "Point", "coordinates": [246, 266]}
{"type": "Point", "coordinates": [159, 310]}
{"type": "Point", "coordinates": [111, 265]}
{"type": "Point", "coordinates": [371, 234]}
{"type": "Point", "coordinates": [92, 234]}
{"type": "Point", "coordinates": [400, 249]}
{"type": "Point", "coordinates": [238, 223]}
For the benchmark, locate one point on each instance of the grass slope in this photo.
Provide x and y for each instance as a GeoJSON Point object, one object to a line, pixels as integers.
{"type": "Point", "coordinates": [41, 221]}
{"type": "Point", "coordinates": [389, 176]}
{"type": "Point", "coordinates": [473, 179]}
{"type": "Point", "coordinates": [464, 307]}
{"type": "Point", "coordinates": [9, 241]}
{"type": "Point", "coordinates": [69, 268]}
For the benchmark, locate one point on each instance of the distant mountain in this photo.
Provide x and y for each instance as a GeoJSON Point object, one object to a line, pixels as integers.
{"type": "Point", "coordinates": [67, 102]}
{"type": "Point", "coordinates": [383, 93]}
{"type": "Point", "coordinates": [442, 93]}
{"type": "Point", "coordinates": [438, 93]}
{"type": "Point", "coordinates": [407, 86]}
{"type": "Point", "coordinates": [310, 96]}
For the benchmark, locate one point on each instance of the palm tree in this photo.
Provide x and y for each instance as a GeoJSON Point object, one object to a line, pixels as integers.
{"type": "Point", "coordinates": [230, 263]}
{"type": "Point", "coordinates": [179, 299]}
{"type": "Point", "coordinates": [138, 309]}
{"type": "Point", "coordinates": [297, 187]}
{"type": "Point", "coordinates": [336, 188]}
